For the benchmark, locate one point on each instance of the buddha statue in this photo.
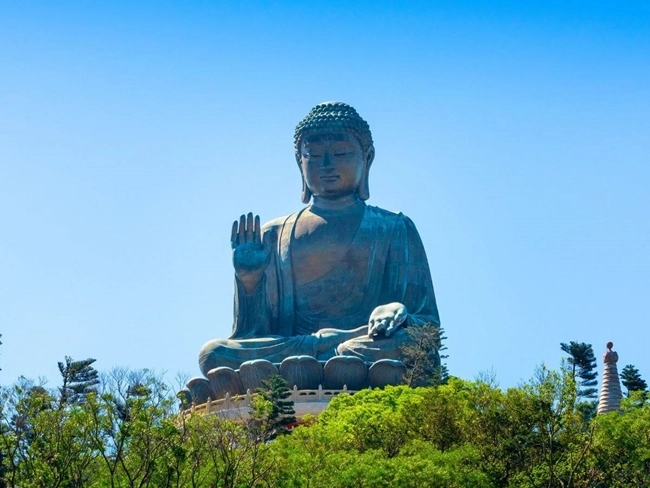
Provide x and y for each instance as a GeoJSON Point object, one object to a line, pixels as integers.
{"type": "Point", "coordinates": [337, 278]}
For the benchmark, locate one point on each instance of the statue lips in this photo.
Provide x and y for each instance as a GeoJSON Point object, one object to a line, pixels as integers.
{"type": "Point", "coordinates": [329, 177]}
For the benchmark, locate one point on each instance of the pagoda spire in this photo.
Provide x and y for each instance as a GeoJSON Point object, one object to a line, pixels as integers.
{"type": "Point", "coordinates": [610, 389]}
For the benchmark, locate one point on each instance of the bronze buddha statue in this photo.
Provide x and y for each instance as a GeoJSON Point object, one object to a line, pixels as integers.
{"type": "Point", "coordinates": [337, 278]}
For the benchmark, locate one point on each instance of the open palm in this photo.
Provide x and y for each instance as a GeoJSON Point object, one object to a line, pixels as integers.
{"type": "Point", "coordinates": [250, 256]}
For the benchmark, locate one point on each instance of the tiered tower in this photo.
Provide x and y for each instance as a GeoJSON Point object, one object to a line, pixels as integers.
{"type": "Point", "coordinates": [610, 389]}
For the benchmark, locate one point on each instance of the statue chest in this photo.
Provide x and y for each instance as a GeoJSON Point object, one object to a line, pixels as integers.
{"type": "Point", "coordinates": [330, 267]}
{"type": "Point", "coordinates": [321, 245]}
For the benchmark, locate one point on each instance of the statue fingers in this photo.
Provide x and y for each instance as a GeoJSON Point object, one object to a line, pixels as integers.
{"type": "Point", "coordinates": [379, 329]}
{"type": "Point", "coordinates": [242, 229]}
{"type": "Point", "coordinates": [391, 328]}
{"type": "Point", "coordinates": [249, 227]}
{"type": "Point", "coordinates": [382, 325]}
{"type": "Point", "coordinates": [233, 235]}
{"type": "Point", "coordinates": [400, 314]}
{"type": "Point", "coordinates": [257, 231]}
{"type": "Point", "coordinates": [371, 328]}
{"type": "Point", "coordinates": [400, 318]}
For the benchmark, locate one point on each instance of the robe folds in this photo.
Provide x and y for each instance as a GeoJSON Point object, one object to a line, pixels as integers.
{"type": "Point", "coordinates": [385, 263]}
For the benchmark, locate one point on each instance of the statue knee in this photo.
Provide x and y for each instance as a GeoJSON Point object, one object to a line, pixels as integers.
{"type": "Point", "coordinates": [209, 357]}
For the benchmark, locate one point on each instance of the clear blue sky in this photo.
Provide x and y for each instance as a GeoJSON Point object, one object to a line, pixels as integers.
{"type": "Point", "coordinates": [516, 135]}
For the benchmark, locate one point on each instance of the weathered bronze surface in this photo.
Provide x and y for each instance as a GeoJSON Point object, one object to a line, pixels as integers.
{"type": "Point", "coordinates": [338, 277]}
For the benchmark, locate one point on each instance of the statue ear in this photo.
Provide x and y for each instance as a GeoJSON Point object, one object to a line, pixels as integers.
{"type": "Point", "coordinates": [306, 192]}
{"type": "Point", "coordinates": [305, 196]}
{"type": "Point", "coordinates": [364, 185]}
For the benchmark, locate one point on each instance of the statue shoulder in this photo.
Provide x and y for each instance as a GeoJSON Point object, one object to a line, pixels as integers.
{"type": "Point", "coordinates": [398, 217]}
{"type": "Point", "coordinates": [275, 226]}
{"type": "Point", "coordinates": [401, 227]}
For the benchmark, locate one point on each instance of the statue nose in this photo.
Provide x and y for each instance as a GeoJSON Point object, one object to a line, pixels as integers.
{"type": "Point", "coordinates": [327, 161]}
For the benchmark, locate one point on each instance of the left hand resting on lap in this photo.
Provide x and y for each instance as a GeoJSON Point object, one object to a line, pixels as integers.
{"type": "Point", "coordinates": [386, 319]}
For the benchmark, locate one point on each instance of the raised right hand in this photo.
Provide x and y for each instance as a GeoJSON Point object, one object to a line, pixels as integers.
{"type": "Point", "coordinates": [249, 257]}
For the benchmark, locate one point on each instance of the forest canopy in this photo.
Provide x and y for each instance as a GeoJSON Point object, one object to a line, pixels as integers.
{"type": "Point", "coordinates": [125, 430]}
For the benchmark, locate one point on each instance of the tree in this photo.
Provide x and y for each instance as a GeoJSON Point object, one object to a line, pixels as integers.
{"type": "Point", "coordinates": [79, 379]}
{"type": "Point", "coordinates": [133, 428]}
{"type": "Point", "coordinates": [620, 453]}
{"type": "Point", "coordinates": [583, 367]}
{"type": "Point", "coordinates": [272, 412]}
{"type": "Point", "coordinates": [455, 435]}
{"type": "Point", "coordinates": [631, 379]}
{"type": "Point", "coordinates": [460, 434]}
{"type": "Point", "coordinates": [421, 354]}
{"type": "Point", "coordinates": [43, 445]}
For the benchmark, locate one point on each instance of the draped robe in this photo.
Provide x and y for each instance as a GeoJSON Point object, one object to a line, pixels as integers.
{"type": "Point", "coordinates": [385, 263]}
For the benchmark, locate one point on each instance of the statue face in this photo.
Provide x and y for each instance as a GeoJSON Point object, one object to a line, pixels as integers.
{"type": "Point", "coordinates": [332, 164]}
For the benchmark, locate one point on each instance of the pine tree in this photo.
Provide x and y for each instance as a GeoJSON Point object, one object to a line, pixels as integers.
{"type": "Point", "coordinates": [631, 379]}
{"type": "Point", "coordinates": [272, 411]}
{"type": "Point", "coordinates": [421, 355]}
{"type": "Point", "coordinates": [583, 367]}
{"type": "Point", "coordinates": [79, 379]}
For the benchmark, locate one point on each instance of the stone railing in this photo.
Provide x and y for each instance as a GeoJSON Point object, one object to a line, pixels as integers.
{"type": "Point", "coordinates": [238, 406]}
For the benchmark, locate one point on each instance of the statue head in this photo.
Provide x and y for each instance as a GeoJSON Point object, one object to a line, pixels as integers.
{"type": "Point", "coordinates": [334, 151]}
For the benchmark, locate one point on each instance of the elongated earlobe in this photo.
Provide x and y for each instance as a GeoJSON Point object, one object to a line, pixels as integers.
{"type": "Point", "coordinates": [364, 184]}
{"type": "Point", "coordinates": [364, 187]}
{"type": "Point", "coordinates": [306, 192]}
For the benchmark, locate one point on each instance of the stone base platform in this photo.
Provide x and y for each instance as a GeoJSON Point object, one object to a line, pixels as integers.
{"type": "Point", "coordinates": [306, 376]}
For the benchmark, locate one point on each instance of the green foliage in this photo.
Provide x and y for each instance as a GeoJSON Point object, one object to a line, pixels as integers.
{"type": "Point", "coordinates": [458, 434]}
{"type": "Point", "coordinates": [119, 436]}
{"type": "Point", "coordinates": [305, 460]}
{"type": "Point", "coordinates": [271, 411]}
{"type": "Point", "coordinates": [631, 379]}
{"type": "Point", "coordinates": [79, 379]}
{"type": "Point", "coordinates": [621, 451]}
{"type": "Point", "coordinates": [583, 366]}
{"type": "Point", "coordinates": [219, 452]}
{"type": "Point", "coordinates": [461, 434]}
{"type": "Point", "coordinates": [422, 357]}
{"type": "Point", "coordinates": [42, 445]}
{"type": "Point", "coordinates": [132, 426]}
